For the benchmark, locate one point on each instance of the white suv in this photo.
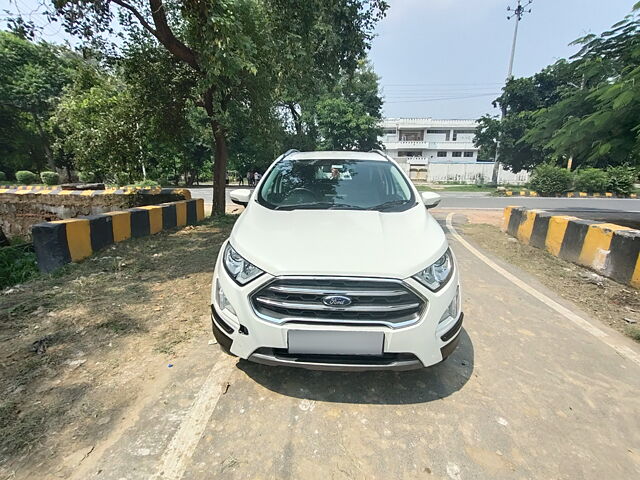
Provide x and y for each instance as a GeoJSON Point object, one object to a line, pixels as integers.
{"type": "Point", "coordinates": [336, 264]}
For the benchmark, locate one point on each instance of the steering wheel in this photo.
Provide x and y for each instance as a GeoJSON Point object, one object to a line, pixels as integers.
{"type": "Point", "coordinates": [301, 192]}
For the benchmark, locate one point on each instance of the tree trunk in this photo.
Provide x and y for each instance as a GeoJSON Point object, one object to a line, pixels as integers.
{"type": "Point", "coordinates": [297, 121]}
{"type": "Point", "coordinates": [219, 170]}
{"type": "Point", "coordinates": [45, 142]}
{"type": "Point", "coordinates": [220, 157]}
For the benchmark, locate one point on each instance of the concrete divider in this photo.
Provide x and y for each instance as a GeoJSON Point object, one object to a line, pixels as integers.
{"type": "Point", "coordinates": [60, 242]}
{"type": "Point", "coordinates": [531, 193]}
{"type": "Point", "coordinates": [611, 250]}
{"type": "Point", "coordinates": [57, 190]}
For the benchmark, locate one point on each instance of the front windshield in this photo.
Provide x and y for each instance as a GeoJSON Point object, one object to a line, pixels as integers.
{"type": "Point", "coordinates": [336, 184]}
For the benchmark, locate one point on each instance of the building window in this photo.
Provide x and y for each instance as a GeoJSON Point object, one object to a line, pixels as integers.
{"type": "Point", "coordinates": [456, 154]}
{"type": "Point", "coordinates": [468, 154]}
{"type": "Point", "coordinates": [411, 135]}
{"type": "Point", "coordinates": [389, 131]}
{"type": "Point", "coordinates": [440, 132]}
{"type": "Point", "coordinates": [462, 132]}
{"type": "Point", "coordinates": [409, 153]}
{"type": "Point", "coordinates": [442, 154]}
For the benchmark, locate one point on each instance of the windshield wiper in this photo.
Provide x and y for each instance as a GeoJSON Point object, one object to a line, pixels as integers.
{"type": "Point", "coordinates": [317, 205]}
{"type": "Point", "coordinates": [386, 205]}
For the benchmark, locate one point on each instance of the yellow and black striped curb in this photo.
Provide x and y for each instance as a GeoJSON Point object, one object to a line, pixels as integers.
{"type": "Point", "coordinates": [56, 190]}
{"type": "Point", "coordinates": [63, 241]}
{"type": "Point", "coordinates": [530, 193]}
{"type": "Point", "coordinates": [610, 249]}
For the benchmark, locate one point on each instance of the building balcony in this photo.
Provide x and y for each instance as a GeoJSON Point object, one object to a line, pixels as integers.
{"type": "Point", "coordinates": [427, 145]}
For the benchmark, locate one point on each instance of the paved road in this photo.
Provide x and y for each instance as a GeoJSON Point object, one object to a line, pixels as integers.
{"type": "Point", "coordinates": [535, 390]}
{"type": "Point", "coordinates": [614, 210]}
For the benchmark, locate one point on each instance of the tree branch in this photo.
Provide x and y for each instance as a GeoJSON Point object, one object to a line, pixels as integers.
{"type": "Point", "coordinates": [167, 38]}
{"type": "Point", "coordinates": [162, 31]}
{"type": "Point", "coordinates": [136, 14]}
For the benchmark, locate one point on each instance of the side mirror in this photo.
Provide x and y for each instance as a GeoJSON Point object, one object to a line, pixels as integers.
{"type": "Point", "coordinates": [241, 196]}
{"type": "Point", "coordinates": [430, 199]}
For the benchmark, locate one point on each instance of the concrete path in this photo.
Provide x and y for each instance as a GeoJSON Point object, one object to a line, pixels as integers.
{"type": "Point", "coordinates": [533, 391]}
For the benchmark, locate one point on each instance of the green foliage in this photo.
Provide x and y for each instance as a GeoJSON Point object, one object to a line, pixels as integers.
{"type": "Point", "coordinates": [586, 109]}
{"type": "Point", "coordinates": [3, 177]}
{"type": "Point", "coordinates": [32, 75]}
{"type": "Point", "coordinates": [486, 138]}
{"type": "Point", "coordinates": [146, 183]}
{"type": "Point", "coordinates": [349, 117]}
{"type": "Point", "coordinates": [620, 179]}
{"type": "Point", "coordinates": [26, 177]}
{"type": "Point", "coordinates": [550, 180]}
{"type": "Point", "coordinates": [16, 266]}
{"type": "Point", "coordinates": [86, 177]}
{"type": "Point", "coordinates": [50, 178]}
{"type": "Point", "coordinates": [591, 180]}
{"type": "Point", "coordinates": [194, 78]}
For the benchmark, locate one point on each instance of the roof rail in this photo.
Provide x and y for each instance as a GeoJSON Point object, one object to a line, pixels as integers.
{"type": "Point", "coordinates": [379, 152]}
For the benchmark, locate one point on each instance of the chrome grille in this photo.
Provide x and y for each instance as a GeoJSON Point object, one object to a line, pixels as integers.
{"type": "Point", "coordinates": [373, 301]}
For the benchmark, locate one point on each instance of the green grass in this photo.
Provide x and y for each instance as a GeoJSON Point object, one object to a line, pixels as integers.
{"type": "Point", "coordinates": [17, 265]}
{"type": "Point", "coordinates": [634, 332]}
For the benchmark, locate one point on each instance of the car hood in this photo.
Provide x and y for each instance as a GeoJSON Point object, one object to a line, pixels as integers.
{"type": "Point", "coordinates": [339, 242]}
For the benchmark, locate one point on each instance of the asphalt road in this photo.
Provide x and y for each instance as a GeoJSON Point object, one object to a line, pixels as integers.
{"type": "Point", "coordinates": [536, 389]}
{"type": "Point", "coordinates": [613, 210]}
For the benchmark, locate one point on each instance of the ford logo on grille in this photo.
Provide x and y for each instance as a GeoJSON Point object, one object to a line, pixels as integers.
{"type": "Point", "coordinates": [336, 301]}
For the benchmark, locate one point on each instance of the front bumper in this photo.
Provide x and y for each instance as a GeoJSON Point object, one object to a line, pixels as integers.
{"type": "Point", "coordinates": [422, 344]}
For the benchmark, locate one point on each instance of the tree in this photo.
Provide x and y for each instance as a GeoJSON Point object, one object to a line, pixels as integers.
{"type": "Point", "coordinates": [599, 123]}
{"type": "Point", "coordinates": [100, 126]}
{"type": "Point", "coordinates": [32, 76]}
{"type": "Point", "coordinates": [349, 116]}
{"type": "Point", "coordinates": [237, 50]}
{"type": "Point", "coordinates": [585, 111]}
{"type": "Point", "coordinates": [521, 98]}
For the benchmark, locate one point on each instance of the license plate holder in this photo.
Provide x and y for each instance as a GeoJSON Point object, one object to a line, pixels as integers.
{"type": "Point", "coordinates": [335, 342]}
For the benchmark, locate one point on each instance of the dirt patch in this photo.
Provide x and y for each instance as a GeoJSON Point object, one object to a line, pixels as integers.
{"type": "Point", "coordinates": [612, 303]}
{"type": "Point", "coordinates": [490, 217]}
{"type": "Point", "coordinates": [79, 345]}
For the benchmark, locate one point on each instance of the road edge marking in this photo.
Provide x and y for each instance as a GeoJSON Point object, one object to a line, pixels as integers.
{"type": "Point", "coordinates": [622, 350]}
{"type": "Point", "coordinates": [186, 438]}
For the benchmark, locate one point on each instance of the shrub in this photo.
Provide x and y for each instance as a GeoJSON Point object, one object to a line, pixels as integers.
{"type": "Point", "coordinates": [87, 177]}
{"type": "Point", "coordinates": [591, 180]}
{"type": "Point", "coordinates": [3, 177]}
{"type": "Point", "coordinates": [17, 265]}
{"type": "Point", "coordinates": [165, 181]}
{"type": "Point", "coordinates": [50, 178]}
{"type": "Point", "coordinates": [146, 183]}
{"type": "Point", "coordinates": [549, 180]}
{"type": "Point", "coordinates": [26, 177]}
{"type": "Point", "coordinates": [121, 178]}
{"type": "Point", "coordinates": [620, 180]}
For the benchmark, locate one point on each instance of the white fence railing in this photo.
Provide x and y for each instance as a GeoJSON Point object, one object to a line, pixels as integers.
{"type": "Point", "coordinates": [478, 172]}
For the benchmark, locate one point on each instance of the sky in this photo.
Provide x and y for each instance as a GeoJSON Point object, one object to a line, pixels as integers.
{"type": "Point", "coordinates": [429, 50]}
{"type": "Point", "coordinates": [449, 58]}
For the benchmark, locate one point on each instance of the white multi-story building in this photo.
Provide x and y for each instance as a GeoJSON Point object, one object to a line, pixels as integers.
{"type": "Point", "coordinates": [440, 151]}
{"type": "Point", "coordinates": [420, 141]}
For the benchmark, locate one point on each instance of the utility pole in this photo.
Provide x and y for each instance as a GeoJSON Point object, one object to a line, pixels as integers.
{"type": "Point", "coordinates": [517, 12]}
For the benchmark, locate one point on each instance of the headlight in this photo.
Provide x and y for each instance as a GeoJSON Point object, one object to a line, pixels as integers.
{"type": "Point", "coordinates": [436, 275]}
{"type": "Point", "coordinates": [239, 269]}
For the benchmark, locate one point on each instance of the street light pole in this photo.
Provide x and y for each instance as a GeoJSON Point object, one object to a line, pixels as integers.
{"type": "Point", "coordinates": [517, 13]}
